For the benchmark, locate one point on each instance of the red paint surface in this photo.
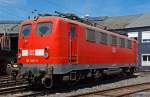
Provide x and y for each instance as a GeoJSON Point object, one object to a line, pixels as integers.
{"type": "Point", "coordinates": [58, 43]}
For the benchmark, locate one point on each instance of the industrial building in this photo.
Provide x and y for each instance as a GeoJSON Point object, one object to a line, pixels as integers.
{"type": "Point", "coordinates": [8, 34]}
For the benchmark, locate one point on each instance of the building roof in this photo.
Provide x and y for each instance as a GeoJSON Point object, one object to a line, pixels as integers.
{"type": "Point", "coordinates": [121, 22]}
{"type": "Point", "coordinates": [142, 21]}
{"type": "Point", "coordinates": [9, 22]}
{"type": "Point", "coordinates": [9, 27]}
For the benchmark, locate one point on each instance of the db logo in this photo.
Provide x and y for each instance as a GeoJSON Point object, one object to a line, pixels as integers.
{"type": "Point", "coordinates": [31, 52]}
{"type": "Point", "coordinates": [114, 50]}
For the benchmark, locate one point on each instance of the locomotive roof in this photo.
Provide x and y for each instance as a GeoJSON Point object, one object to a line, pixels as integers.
{"type": "Point", "coordinates": [79, 23]}
{"type": "Point", "coordinates": [95, 28]}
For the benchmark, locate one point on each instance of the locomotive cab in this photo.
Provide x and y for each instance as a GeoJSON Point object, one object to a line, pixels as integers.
{"type": "Point", "coordinates": [36, 41]}
{"type": "Point", "coordinates": [43, 47]}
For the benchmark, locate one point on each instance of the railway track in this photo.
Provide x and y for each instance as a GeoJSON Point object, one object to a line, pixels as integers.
{"type": "Point", "coordinates": [12, 83]}
{"type": "Point", "coordinates": [61, 89]}
{"type": "Point", "coordinates": [6, 81]}
{"type": "Point", "coordinates": [13, 89]}
{"type": "Point", "coordinates": [123, 91]}
{"type": "Point", "coordinates": [23, 90]}
{"type": "Point", "coordinates": [6, 77]}
{"type": "Point", "coordinates": [7, 85]}
{"type": "Point", "coordinates": [3, 76]}
{"type": "Point", "coordinates": [30, 94]}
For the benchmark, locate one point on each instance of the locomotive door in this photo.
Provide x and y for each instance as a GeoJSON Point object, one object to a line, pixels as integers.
{"type": "Point", "coordinates": [73, 40]}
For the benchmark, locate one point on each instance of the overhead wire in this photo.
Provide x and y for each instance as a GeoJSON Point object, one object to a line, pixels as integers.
{"type": "Point", "coordinates": [64, 8]}
{"type": "Point", "coordinates": [29, 10]}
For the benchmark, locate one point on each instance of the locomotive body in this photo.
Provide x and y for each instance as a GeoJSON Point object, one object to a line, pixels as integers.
{"type": "Point", "coordinates": [71, 50]}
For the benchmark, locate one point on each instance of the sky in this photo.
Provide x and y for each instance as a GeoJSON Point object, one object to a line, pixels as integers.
{"type": "Point", "coordinates": [21, 9]}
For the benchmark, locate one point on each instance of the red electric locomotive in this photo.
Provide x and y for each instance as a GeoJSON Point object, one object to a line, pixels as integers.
{"type": "Point", "coordinates": [53, 48]}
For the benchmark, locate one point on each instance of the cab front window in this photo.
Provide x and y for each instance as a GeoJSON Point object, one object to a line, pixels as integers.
{"type": "Point", "coordinates": [26, 30]}
{"type": "Point", "coordinates": [44, 28]}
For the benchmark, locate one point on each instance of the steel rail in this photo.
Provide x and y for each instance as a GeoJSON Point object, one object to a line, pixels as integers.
{"type": "Point", "coordinates": [13, 89]}
{"type": "Point", "coordinates": [113, 91]}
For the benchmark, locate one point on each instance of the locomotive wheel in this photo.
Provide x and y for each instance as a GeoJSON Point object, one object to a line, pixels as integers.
{"type": "Point", "coordinates": [129, 71]}
{"type": "Point", "coordinates": [47, 82]}
{"type": "Point", "coordinates": [36, 81]}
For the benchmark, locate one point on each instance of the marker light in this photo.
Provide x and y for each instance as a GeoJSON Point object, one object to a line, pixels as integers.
{"type": "Point", "coordinates": [19, 56]}
{"type": "Point", "coordinates": [46, 49]}
{"type": "Point", "coordinates": [46, 55]}
{"type": "Point", "coordinates": [15, 66]}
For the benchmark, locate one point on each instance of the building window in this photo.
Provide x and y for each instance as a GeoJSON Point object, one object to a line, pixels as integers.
{"type": "Point", "coordinates": [145, 36]}
{"type": "Point", "coordinates": [145, 40]}
{"type": "Point", "coordinates": [146, 60]}
{"type": "Point", "coordinates": [133, 34]}
{"type": "Point", "coordinates": [5, 43]}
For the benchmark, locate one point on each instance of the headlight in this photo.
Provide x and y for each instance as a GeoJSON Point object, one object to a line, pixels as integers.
{"type": "Point", "coordinates": [15, 66]}
{"type": "Point", "coordinates": [46, 55]}
{"type": "Point", "coordinates": [19, 56]}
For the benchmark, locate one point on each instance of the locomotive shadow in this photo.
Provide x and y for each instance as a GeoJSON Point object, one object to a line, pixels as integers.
{"type": "Point", "coordinates": [107, 79]}
{"type": "Point", "coordinates": [88, 83]}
